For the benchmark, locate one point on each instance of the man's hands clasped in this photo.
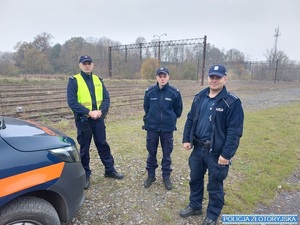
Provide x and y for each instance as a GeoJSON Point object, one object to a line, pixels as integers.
{"type": "Point", "coordinates": [95, 114]}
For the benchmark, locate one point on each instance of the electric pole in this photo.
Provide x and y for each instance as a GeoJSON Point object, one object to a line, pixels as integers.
{"type": "Point", "coordinates": [276, 35]}
{"type": "Point", "coordinates": [275, 58]}
{"type": "Point", "coordinates": [159, 36]}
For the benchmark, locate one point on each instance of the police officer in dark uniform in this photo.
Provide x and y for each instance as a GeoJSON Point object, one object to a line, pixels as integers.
{"type": "Point", "coordinates": [213, 129]}
{"type": "Point", "coordinates": [162, 105]}
{"type": "Point", "coordinates": [89, 100]}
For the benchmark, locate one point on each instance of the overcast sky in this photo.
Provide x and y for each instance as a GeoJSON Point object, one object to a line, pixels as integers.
{"type": "Point", "coordinates": [246, 25]}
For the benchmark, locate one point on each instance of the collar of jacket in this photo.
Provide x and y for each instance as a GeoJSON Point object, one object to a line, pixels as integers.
{"type": "Point", "coordinates": [221, 95]}
{"type": "Point", "coordinates": [165, 87]}
{"type": "Point", "coordinates": [85, 76]}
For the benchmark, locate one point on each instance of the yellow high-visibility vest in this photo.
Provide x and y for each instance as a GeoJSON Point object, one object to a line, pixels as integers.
{"type": "Point", "coordinates": [83, 93]}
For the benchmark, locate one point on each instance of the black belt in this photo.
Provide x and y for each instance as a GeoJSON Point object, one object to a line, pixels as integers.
{"type": "Point", "coordinates": [204, 144]}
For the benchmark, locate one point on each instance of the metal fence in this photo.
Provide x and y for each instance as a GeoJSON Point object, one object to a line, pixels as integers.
{"type": "Point", "coordinates": [189, 59]}
{"type": "Point", "coordinates": [185, 58]}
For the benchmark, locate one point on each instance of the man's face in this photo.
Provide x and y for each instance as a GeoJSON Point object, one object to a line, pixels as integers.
{"type": "Point", "coordinates": [216, 83]}
{"type": "Point", "coordinates": [86, 67]}
{"type": "Point", "coordinates": [162, 79]}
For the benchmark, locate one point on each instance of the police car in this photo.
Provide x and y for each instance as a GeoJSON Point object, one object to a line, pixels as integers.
{"type": "Point", "coordinates": [41, 177]}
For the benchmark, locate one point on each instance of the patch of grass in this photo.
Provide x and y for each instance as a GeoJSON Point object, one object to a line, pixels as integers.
{"type": "Point", "coordinates": [268, 154]}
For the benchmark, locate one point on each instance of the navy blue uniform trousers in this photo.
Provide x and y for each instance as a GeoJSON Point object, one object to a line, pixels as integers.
{"type": "Point", "coordinates": [200, 161]}
{"type": "Point", "coordinates": [166, 141]}
{"type": "Point", "coordinates": [96, 129]}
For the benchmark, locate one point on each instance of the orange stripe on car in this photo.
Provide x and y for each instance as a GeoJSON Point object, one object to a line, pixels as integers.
{"type": "Point", "coordinates": [45, 129]}
{"type": "Point", "coordinates": [19, 182]}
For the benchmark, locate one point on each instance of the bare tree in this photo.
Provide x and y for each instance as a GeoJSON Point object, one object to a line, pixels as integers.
{"type": "Point", "coordinates": [42, 42]}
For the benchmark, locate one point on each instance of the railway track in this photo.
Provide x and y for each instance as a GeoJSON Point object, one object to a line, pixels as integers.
{"type": "Point", "coordinates": [40, 101]}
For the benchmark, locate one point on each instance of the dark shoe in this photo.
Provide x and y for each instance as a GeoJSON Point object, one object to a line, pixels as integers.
{"type": "Point", "coordinates": [188, 211]}
{"type": "Point", "coordinates": [167, 183]}
{"type": "Point", "coordinates": [115, 175]}
{"type": "Point", "coordinates": [208, 221]}
{"type": "Point", "coordinates": [87, 183]}
{"type": "Point", "coordinates": [149, 181]}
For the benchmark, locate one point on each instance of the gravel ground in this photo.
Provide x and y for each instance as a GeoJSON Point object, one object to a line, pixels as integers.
{"type": "Point", "coordinates": [286, 202]}
{"type": "Point", "coordinates": [127, 202]}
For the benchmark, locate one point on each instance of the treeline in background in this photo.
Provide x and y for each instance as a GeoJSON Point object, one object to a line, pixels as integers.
{"type": "Point", "coordinates": [185, 62]}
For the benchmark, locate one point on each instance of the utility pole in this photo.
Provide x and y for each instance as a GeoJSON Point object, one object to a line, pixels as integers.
{"type": "Point", "coordinates": [203, 58]}
{"type": "Point", "coordinates": [275, 58]}
{"type": "Point", "coordinates": [276, 35]}
{"type": "Point", "coordinates": [159, 36]}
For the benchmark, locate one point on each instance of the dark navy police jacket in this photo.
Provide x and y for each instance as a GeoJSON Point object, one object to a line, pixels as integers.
{"type": "Point", "coordinates": [228, 120]}
{"type": "Point", "coordinates": [162, 108]}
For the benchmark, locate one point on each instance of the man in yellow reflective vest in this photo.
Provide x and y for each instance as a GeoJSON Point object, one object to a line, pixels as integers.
{"type": "Point", "coordinates": [89, 100]}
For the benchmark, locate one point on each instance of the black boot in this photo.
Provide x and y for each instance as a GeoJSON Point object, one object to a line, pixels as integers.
{"type": "Point", "coordinates": [149, 182]}
{"type": "Point", "coordinates": [167, 183]}
{"type": "Point", "coordinates": [188, 211]}
{"type": "Point", "coordinates": [87, 183]}
{"type": "Point", "coordinates": [208, 221]}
